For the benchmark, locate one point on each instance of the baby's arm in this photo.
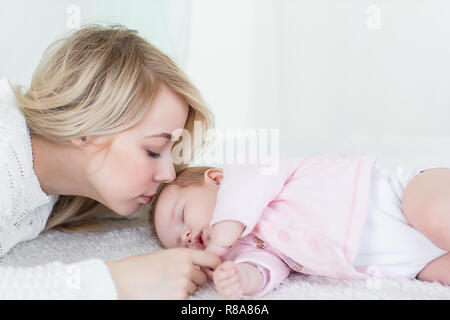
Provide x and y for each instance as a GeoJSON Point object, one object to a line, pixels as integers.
{"type": "Point", "coordinates": [223, 235]}
{"type": "Point", "coordinates": [233, 280]}
{"type": "Point", "coordinates": [245, 191]}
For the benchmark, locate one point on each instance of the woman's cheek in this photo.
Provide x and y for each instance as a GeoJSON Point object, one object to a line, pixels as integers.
{"type": "Point", "coordinates": [138, 174]}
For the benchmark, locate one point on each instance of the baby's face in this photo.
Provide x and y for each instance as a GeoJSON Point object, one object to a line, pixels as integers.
{"type": "Point", "coordinates": [182, 214]}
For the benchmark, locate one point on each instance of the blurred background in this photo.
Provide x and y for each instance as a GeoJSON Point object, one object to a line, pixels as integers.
{"type": "Point", "coordinates": [332, 76]}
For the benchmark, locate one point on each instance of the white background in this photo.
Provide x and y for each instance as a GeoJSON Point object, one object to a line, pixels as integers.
{"type": "Point", "coordinates": [331, 75]}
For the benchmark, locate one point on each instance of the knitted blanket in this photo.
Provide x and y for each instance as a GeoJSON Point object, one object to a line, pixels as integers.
{"type": "Point", "coordinates": [127, 237]}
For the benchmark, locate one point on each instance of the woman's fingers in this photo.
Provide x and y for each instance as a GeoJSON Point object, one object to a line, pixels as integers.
{"type": "Point", "coordinates": [208, 271]}
{"type": "Point", "coordinates": [164, 274]}
{"type": "Point", "coordinates": [192, 287]}
{"type": "Point", "coordinates": [205, 259]}
{"type": "Point", "coordinates": [198, 276]}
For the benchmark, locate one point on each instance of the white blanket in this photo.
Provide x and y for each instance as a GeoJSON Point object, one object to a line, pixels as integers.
{"type": "Point", "coordinates": [128, 237]}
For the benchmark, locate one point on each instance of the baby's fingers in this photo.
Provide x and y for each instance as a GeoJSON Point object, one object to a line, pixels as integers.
{"type": "Point", "coordinates": [228, 282]}
{"type": "Point", "coordinates": [227, 265]}
{"type": "Point", "coordinates": [222, 273]}
{"type": "Point", "coordinates": [233, 292]}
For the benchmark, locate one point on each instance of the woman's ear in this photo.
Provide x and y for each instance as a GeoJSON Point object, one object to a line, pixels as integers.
{"type": "Point", "coordinates": [79, 142]}
{"type": "Point", "coordinates": [214, 174]}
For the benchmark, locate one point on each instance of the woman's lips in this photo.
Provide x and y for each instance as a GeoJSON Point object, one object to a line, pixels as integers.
{"type": "Point", "coordinates": [147, 199]}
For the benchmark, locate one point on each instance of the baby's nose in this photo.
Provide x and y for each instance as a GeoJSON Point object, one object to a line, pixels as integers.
{"type": "Point", "coordinates": [187, 237]}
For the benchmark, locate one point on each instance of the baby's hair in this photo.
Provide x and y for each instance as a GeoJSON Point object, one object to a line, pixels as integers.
{"type": "Point", "coordinates": [187, 177]}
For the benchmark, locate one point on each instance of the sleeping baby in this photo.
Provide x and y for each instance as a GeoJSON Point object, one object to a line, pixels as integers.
{"type": "Point", "coordinates": [332, 215]}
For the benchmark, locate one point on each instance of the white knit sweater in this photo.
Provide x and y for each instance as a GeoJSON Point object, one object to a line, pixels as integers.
{"type": "Point", "coordinates": [24, 210]}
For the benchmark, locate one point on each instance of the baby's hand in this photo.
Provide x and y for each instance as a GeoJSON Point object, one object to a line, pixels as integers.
{"type": "Point", "coordinates": [229, 280]}
{"type": "Point", "coordinates": [223, 235]}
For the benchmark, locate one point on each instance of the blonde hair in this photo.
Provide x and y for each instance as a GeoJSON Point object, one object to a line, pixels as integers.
{"type": "Point", "coordinates": [99, 81]}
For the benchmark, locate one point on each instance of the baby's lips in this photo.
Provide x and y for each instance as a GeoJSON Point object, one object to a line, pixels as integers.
{"type": "Point", "coordinates": [204, 240]}
{"type": "Point", "coordinates": [199, 241]}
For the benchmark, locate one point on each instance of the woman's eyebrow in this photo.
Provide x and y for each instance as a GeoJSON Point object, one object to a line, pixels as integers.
{"type": "Point", "coordinates": [161, 135]}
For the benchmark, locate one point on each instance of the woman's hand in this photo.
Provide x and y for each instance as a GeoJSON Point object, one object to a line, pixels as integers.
{"type": "Point", "coordinates": [164, 274]}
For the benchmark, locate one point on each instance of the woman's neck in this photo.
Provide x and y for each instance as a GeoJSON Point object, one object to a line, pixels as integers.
{"type": "Point", "coordinates": [59, 168]}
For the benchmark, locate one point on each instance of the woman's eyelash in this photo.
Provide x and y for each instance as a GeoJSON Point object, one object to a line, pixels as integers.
{"type": "Point", "coordinates": [182, 215]}
{"type": "Point", "coordinates": [153, 155]}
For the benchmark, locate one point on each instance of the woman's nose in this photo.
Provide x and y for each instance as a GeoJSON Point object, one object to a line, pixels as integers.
{"type": "Point", "coordinates": [165, 171]}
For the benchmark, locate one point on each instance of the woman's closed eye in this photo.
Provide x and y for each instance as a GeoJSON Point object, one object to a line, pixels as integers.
{"type": "Point", "coordinates": [156, 155]}
{"type": "Point", "coordinates": [153, 154]}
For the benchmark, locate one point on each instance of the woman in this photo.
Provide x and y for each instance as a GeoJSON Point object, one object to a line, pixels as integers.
{"type": "Point", "coordinates": [95, 130]}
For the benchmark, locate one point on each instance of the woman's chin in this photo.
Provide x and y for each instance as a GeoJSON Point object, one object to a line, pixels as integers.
{"type": "Point", "coordinates": [125, 211]}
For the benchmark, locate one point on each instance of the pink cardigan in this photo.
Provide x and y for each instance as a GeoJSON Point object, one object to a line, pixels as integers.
{"type": "Point", "coordinates": [307, 217]}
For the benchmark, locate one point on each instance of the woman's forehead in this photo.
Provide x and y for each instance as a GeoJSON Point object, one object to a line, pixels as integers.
{"type": "Point", "coordinates": [167, 112]}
